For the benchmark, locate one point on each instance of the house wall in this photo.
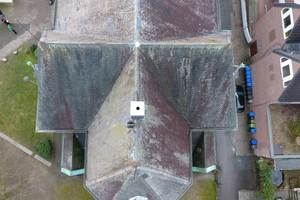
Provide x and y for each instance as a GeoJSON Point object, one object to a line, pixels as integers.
{"type": "Point", "coordinates": [268, 31]}
{"type": "Point", "coordinates": [266, 72]}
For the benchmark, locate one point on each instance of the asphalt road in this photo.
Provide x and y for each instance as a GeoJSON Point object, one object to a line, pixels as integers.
{"type": "Point", "coordinates": [235, 172]}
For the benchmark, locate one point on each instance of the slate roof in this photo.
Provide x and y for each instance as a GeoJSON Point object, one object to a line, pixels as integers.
{"type": "Point", "coordinates": [204, 152]}
{"type": "Point", "coordinates": [75, 74]}
{"type": "Point", "coordinates": [160, 143]}
{"type": "Point", "coordinates": [87, 85]}
{"type": "Point", "coordinates": [130, 20]}
{"type": "Point", "coordinates": [197, 80]}
{"type": "Point", "coordinates": [73, 154]}
{"type": "Point", "coordinates": [183, 87]}
{"type": "Point", "coordinates": [292, 92]}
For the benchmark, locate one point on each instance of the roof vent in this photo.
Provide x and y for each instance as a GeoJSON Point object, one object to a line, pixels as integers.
{"type": "Point", "coordinates": [138, 198]}
{"type": "Point", "coordinates": [130, 124]}
{"type": "Point", "coordinates": [137, 109]}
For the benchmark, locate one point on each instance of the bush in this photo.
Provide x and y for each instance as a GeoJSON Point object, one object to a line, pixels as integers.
{"type": "Point", "coordinates": [32, 48]}
{"type": "Point", "coordinates": [36, 53]}
{"type": "Point", "coordinates": [44, 148]}
{"type": "Point", "coordinates": [294, 129]}
{"type": "Point", "coordinates": [266, 188]}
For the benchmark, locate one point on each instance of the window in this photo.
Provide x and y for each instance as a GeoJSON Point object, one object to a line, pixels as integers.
{"type": "Point", "coordinates": [286, 71]}
{"type": "Point", "coordinates": [287, 21]}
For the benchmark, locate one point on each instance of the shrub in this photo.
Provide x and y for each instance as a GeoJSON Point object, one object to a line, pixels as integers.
{"type": "Point", "coordinates": [36, 53]}
{"type": "Point", "coordinates": [294, 129]}
{"type": "Point", "coordinates": [44, 148]}
{"type": "Point", "coordinates": [32, 48]}
{"type": "Point", "coordinates": [266, 188]}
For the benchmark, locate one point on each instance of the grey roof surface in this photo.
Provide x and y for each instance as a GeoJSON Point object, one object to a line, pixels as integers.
{"type": "Point", "coordinates": [160, 148]}
{"type": "Point", "coordinates": [292, 92]}
{"type": "Point", "coordinates": [277, 177]}
{"type": "Point", "coordinates": [73, 154]}
{"type": "Point", "coordinates": [128, 20]}
{"type": "Point", "coordinates": [168, 78]}
{"type": "Point", "coordinates": [74, 81]}
{"type": "Point", "coordinates": [166, 19]}
{"type": "Point", "coordinates": [141, 182]}
{"type": "Point", "coordinates": [291, 47]}
{"type": "Point", "coordinates": [204, 153]}
{"type": "Point", "coordinates": [184, 85]}
{"type": "Point", "coordinates": [197, 79]}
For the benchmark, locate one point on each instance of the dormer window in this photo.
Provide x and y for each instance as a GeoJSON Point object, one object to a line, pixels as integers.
{"type": "Point", "coordinates": [287, 21]}
{"type": "Point", "coordinates": [286, 71]}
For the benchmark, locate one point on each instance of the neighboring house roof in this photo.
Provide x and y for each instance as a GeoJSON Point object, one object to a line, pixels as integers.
{"type": "Point", "coordinates": [291, 47]}
{"type": "Point", "coordinates": [292, 91]}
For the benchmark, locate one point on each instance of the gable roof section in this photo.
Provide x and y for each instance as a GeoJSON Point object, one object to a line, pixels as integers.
{"type": "Point", "coordinates": [291, 47]}
{"type": "Point", "coordinates": [198, 81]}
{"type": "Point", "coordinates": [74, 80]}
{"type": "Point", "coordinates": [159, 145]}
{"type": "Point", "coordinates": [155, 149]}
{"type": "Point", "coordinates": [292, 92]}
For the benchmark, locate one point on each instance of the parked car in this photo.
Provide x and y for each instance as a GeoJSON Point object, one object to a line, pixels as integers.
{"type": "Point", "coordinates": [240, 98]}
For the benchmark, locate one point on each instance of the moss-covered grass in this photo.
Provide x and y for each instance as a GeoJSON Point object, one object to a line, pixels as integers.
{"type": "Point", "coordinates": [202, 190]}
{"type": "Point", "coordinates": [18, 99]}
{"type": "Point", "coordinates": [73, 191]}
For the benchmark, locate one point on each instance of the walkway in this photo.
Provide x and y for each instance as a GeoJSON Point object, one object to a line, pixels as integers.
{"type": "Point", "coordinates": [24, 149]}
{"type": "Point", "coordinates": [27, 18]}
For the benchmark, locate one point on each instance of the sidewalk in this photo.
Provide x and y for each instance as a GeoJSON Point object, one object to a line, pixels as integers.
{"type": "Point", "coordinates": [24, 149]}
{"type": "Point", "coordinates": [28, 18]}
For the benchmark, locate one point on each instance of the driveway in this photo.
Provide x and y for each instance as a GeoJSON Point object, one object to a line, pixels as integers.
{"type": "Point", "coordinates": [235, 172]}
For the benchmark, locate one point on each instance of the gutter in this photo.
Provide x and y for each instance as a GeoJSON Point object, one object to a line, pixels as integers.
{"type": "Point", "coordinates": [245, 23]}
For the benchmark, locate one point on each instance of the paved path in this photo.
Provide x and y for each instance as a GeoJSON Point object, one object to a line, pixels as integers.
{"type": "Point", "coordinates": [28, 18]}
{"type": "Point", "coordinates": [21, 147]}
{"type": "Point", "coordinates": [235, 172]}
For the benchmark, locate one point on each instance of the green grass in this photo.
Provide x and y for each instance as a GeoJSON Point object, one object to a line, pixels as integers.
{"type": "Point", "coordinates": [73, 191]}
{"type": "Point", "coordinates": [202, 190]}
{"type": "Point", "coordinates": [18, 99]}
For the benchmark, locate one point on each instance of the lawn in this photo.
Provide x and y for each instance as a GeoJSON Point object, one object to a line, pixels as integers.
{"type": "Point", "coordinates": [18, 100]}
{"type": "Point", "coordinates": [73, 191]}
{"type": "Point", "coordinates": [202, 190]}
{"type": "Point", "coordinates": [292, 178]}
{"type": "Point", "coordinates": [282, 116]}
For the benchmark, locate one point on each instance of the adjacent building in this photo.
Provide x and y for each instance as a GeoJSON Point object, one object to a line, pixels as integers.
{"type": "Point", "coordinates": [275, 66]}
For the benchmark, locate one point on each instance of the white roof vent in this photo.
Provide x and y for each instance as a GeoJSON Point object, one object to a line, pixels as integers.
{"type": "Point", "coordinates": [138, 198]}
{"type": "Point", "coordinates": [137, 109]}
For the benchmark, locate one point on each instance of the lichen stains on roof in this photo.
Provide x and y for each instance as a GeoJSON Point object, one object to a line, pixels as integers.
{"type": "Point", "coordinates": [106, 19]}
{"type": "Point", "coordinates": [128, 20]}
{"type": "Point", "coordinates": [170, 80]}
{"type": "Point", "coordinates": [166, 19]}
{"type": "Point", "coordinates": [74, 81]}
{"type": "Point", "coordinates": [196, 79]}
